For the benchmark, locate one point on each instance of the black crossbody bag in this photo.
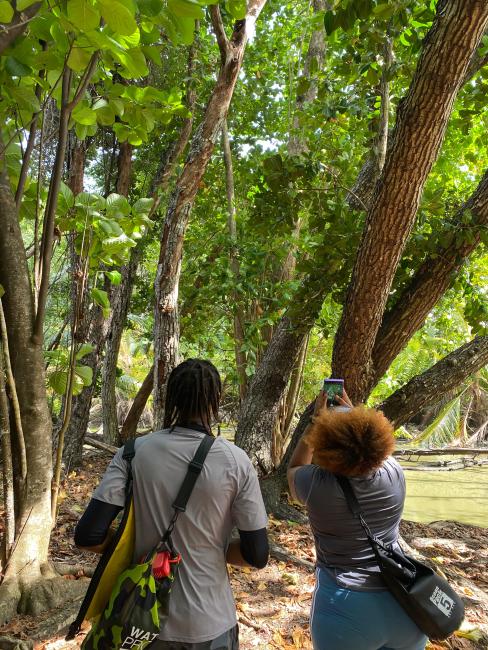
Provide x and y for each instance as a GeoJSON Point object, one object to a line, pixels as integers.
{"type": "Point", "coordinates": [425, 596]}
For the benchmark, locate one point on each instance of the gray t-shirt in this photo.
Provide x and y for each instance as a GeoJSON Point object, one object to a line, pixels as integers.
{"type": "Point", "coordinates": [341, 544]}
{"type": "Point", "coordinates": [226, 495]}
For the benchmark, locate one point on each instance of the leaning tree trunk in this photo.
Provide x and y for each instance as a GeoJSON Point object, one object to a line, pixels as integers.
{"type": "Point", "coordinates": [166, 322]}
{"type": "Point", "coordinates": [430, 386]}
{"type": "Point", "coordinates": [429, 283]}
{"type": "Point", "coordinates": [419, 131]}
{"type": "Point", "coordinates": [33, 504]}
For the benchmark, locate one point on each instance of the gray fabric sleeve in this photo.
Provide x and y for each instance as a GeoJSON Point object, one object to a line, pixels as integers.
{"type": "Point", "coordinates": [304, 482]}
{"type": "Point", "coordinates": [248, 511]}
{"type": "Point", "coordinates": [112, 486]}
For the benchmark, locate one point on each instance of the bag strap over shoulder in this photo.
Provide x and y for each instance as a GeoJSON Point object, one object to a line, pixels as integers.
{"type": "Point", "coordinates": [355, 508]}
{"type": "Point", "coordinates": [194, 468]}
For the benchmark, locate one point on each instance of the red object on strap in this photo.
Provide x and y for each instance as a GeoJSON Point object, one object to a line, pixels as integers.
{"type": "Point", "coordinates": [162, 562]}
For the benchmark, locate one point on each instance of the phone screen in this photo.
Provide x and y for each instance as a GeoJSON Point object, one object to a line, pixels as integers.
{"type": "Point", "coordinates": [332, 388]}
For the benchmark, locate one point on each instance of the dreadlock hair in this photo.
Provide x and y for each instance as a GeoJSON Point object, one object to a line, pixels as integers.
{"type": "Point", "coordinates": [351, 443]}
{"type": "Point", "coordinates": [194, 390]}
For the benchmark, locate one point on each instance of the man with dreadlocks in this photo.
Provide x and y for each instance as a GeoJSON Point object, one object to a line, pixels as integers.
{"type": "Point", "coordinates": [226, 495]}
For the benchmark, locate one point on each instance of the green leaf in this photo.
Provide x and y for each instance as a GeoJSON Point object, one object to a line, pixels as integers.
{"type": "Point", "coordinates": [186, 8]}
{"type": "Point", "coordinates": [58, 381]}
{"type": "Point", "coordinates": [66, 199]}
{"type": "Point", "coordinates": [236, 8]}
{"type": "Point", "coordinates": [100, 297]}
{"type": "Point", "coordinates": [117, 205]}
{"type": "Point", "coordinates": [114, 277]}
{"type": "Point", "coordinates": [6, 11]}
{"type": "Point", "coordinates": [118, 17]}
{"type": "Point", "coordinates": [85, 373]}
{"type": "Point", "coordinates": [25, 98]}
{"type": "Point", "coordinates": [106, 115]}
{"type": "Point", "coordinates": [83, 14]}
{"type": "Point", "coordinates": [86, 348]}
{"type": "Point", "coordinates": [78, 58]}
{"type": "Point", "coordinates": [16, 68]}
{"type": "Point", "coordinates": [23, 4]}
{"type": "Point", "coordinates": [142, 206]}
{"type": "Point", "coordinates": [2, 291]}
{"type": "Point", "coordinates": [84, 114]}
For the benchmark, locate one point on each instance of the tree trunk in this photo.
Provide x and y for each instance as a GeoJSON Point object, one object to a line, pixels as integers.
{"type": "Point", "coordinates": [120, 309]}
{"type": "Point", "coordinates": [166, 322]}
{"type": "Point", "coordinates": [419, 131]}
{"type": "Point", "coordinates": [446, 374]}
{"type": "Point", "coordinates": [129, 428]}
{"type": "Point", "coordinates": [80, 416]}
{"type": "Point", "coordinates": [33, 514]}
{"type": "Point", "coordinates": [261, 406]}
{"type": "Point", "coordinates": [238, 316]}
{"type": "Point", "coordinates": [120, 302]}
{"type": "Point", "coordinates": [429, 284]}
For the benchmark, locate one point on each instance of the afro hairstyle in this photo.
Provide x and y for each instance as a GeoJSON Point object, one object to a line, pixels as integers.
{"type": "Point", "coordinates": [351, 443]}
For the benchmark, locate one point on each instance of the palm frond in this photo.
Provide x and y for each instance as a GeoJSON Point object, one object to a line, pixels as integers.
{"type": "Point", "coordinates": [444, 429]}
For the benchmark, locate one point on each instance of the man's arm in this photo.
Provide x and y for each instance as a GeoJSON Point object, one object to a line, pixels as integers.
{"type": "Point", "coordinates": [252, 549]}
{"type": "Point", "coordinates": [93, 532]}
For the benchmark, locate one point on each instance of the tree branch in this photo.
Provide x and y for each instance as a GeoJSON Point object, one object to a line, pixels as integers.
{"type": "Point", "coordinates": [219, 30]}
{"type": "Point", "coordinates": [430, 386]}
{"type": "Point", "coordinates": [19, 22]}
{"type": "Point", "coordinates": [428, 284]}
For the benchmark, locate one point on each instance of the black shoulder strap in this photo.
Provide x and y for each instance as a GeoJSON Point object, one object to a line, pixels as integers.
{"type": "Point", "coordinates": [192, 473]}
{"type": "Point", "coordinates": [351, 498]}
{"type": "Point", "coordinates": [355, 508]}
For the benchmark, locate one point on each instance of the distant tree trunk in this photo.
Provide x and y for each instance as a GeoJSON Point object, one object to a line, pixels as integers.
{"type": "Point", "coordinates": [429, 283]}
{"type": "Point", "coordinates": [238, 316]}
{"type": "Point", "coordinates": [419, 131]}
{"type": "Point", "coordinates": [430, 386]}
{"type": "Point", "coordinates": [80, 416]}
{"type": "Point", "coordinates": [166, 321]}
{"type": "Point", "coordinates": [120, 301]}
{"type": "Point", "coordinates": [260, 409]}
{"type": "Point", "coordinates": [33, 511]}
{"type": "Point", "coordinates": [159, 184]}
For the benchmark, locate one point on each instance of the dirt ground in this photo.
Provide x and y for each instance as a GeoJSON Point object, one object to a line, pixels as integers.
{"type": "Point", "coordinates": [273, 604]}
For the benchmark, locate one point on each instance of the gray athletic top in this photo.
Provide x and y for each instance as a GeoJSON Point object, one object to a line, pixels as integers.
{"type": "Point", "coordinates": [341, 544]}
{"type": "Point", "coordinates": [226, 495]}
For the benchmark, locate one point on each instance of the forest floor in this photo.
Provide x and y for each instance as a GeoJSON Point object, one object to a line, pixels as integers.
{"type": "Point", "coordinates": [273, 604]}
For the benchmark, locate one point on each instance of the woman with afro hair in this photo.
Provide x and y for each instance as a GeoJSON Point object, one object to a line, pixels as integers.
{"type": "Point", "coordinates": [351, 607]}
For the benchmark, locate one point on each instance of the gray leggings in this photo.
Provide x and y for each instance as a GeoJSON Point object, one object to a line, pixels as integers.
{"type": "Point", "coordinates": [227, 641]}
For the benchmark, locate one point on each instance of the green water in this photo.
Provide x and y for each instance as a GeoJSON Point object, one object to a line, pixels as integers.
{"type": "Point", "coordinates": [458, 495]}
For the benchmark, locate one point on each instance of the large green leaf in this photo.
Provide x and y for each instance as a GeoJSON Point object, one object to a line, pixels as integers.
{"type": "Point", "coordinates": [83, 14]}
{"type": "Point", "coordinates": [118, 17]}
{"type": "Point", "coordinates": [6, 11]}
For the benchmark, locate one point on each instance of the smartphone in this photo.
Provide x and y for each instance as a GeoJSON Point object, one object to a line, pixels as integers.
{"type": "Point", "coordinates": [332, 388]}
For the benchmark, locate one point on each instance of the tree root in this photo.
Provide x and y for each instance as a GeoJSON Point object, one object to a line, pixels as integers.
{"type": "Point", "coordinates": [37, 595]}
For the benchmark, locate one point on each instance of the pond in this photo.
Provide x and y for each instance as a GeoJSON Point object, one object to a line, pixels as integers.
{"type": "Point", "coordinates": [458, 495]}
